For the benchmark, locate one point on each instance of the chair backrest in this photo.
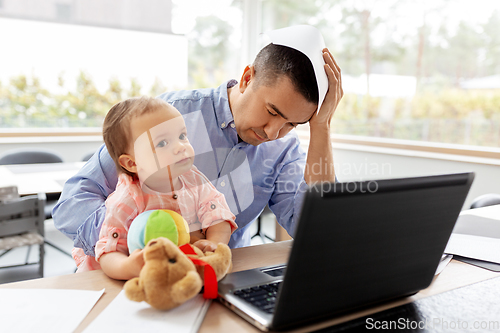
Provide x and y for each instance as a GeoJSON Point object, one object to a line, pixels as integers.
{"type": "Point", "coordinates": [22, 215]}
{"type": "Point", "coordinates": [87, 156]}
{"type": "Point", "coordinates": [485, 200]}
{"type": "Point", "coordinates": [8, 193]}
{"type": "Point", "coordinates": [29, 156]}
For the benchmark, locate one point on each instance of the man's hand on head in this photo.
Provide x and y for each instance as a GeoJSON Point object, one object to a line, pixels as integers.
{"type": "Point", "coordinates": [334, 94]}
{"type": "Point", "coordinates": [320, 146]}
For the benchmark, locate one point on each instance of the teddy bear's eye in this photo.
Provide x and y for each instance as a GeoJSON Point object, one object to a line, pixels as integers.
{"type": "Point", "coordinates": [172, 261]}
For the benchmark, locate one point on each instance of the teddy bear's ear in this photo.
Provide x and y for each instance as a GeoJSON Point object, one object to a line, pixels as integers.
{"type": "Point", "coordinates": [133, 291]}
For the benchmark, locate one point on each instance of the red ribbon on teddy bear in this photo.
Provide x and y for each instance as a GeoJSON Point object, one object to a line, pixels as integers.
{"type": "Point", "coordinates": [209, 277]}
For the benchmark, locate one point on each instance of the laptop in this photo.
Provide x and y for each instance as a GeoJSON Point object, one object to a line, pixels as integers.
{"type": "Point", "coordinates": [356, 245]}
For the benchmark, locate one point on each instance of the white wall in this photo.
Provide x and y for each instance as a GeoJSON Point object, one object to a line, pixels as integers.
{"type": "Point", "coordinates": [352, 162]}
{"type": "Point", "coordinates": [72, 149]}
{"type": "Point", "coordinates": [356, 163]}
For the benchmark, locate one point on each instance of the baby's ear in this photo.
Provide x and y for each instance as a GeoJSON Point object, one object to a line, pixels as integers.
{"type": "Point", "coordinates": [128, 162]}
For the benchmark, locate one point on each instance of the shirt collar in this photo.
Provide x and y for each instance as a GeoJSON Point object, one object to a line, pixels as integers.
{"type": "Point", "coordinates": [221, 104]}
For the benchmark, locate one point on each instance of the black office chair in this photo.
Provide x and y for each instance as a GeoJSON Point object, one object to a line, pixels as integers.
{"type": "Point", "coordinates": [87, 156]}
{"type": "Point", "coordinates": [29, 156]}
{"type": "Point", "coordinates": [32, 156]}
{"type": "Point", "coordinates": [484, 200]}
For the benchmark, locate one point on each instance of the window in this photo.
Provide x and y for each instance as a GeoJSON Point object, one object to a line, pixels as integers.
{"type": "Point", "coordinates": [418, 70]}
{"type": "Point", "coordinates": [69, 62]}
{"type": "Point", "coordinates": [214, 33]}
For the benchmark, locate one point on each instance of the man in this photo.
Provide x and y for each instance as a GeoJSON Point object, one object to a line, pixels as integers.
{"type": "Point", "coordinates": [252, 156]}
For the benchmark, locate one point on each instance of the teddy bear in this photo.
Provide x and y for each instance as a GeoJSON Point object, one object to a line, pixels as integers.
{"type": "Point", "coordinates": [173, 274]}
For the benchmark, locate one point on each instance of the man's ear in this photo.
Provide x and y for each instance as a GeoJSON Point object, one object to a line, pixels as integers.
{"type": "Point", "coordinates": [128, 162]}
{"type": "Point", "coordinates": [246, 78]}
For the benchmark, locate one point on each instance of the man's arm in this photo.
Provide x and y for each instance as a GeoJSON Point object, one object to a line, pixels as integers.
{"type": "Point", "coordinates": [319, 164]}
{"type": "Point", "coordinates": [289, 186]}
{"type": "Point", "coordinates": [80, 210]}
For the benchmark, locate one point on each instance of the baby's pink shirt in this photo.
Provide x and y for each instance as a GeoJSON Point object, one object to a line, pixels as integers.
{"type": "Point", "coordinates": [198, 201]}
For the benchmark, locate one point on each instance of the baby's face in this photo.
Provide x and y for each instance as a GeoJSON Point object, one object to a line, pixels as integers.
{"type": "Point", "coordinates": [161, 148]}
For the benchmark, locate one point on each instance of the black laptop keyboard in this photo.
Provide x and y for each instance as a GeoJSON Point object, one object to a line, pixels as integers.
{"type": "Point", "coordinates": [263, 296]}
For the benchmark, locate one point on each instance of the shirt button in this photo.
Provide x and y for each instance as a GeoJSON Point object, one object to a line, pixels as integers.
{"type": "Point", "coordinates": [115, 235]}
{"type": "Point", "coordinates": [212, 206]}
{"type": "Point", "coordinates": [175, 196]}
{"type": "Point", "coordinates": [233, 125]}
{"type": "Point", "coordinates": [222, 125]}
{"type": "Point", "coordinates": [223, 183]}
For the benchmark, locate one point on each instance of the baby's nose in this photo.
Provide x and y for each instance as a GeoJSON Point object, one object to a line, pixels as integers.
{"type": "Point", "coordinates": [180, 147]}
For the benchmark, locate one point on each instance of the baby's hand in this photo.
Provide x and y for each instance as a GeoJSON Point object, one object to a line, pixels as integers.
{"type": "Point", "coordinates": [135, 261]}
{"type": "Point", "coordinates": [205, 245]}
{"type": "Point", "coordinates": [196, 236]}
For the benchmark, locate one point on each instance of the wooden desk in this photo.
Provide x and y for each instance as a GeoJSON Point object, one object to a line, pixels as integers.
{"type": "Point", "coordinates": [220, 319]}
{"type": "Point", "coordinates": [37, 178]}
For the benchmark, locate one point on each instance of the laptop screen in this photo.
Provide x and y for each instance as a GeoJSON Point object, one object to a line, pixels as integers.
{"type": "Point", "coordinates": [361, 243]}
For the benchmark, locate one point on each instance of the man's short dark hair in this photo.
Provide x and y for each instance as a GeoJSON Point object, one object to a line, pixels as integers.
{"type": "Point", "coordinates": [276, 60]}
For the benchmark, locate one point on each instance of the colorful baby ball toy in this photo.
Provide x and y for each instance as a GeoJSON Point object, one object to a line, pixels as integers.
{"type": "Point", "coordinates": [152, 224]}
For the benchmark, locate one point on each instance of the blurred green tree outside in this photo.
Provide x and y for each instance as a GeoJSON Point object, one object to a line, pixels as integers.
{"type": "Point", "coordinates": [422, 39]}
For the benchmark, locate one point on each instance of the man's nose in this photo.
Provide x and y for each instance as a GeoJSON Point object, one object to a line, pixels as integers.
{"type": "Point", "coordinates": [273, 128]}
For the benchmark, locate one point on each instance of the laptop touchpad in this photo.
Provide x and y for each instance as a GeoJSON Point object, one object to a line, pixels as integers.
{"type": "Point", "coordinates": [242, 279]}
{"type": "Point", "coordinates": [275, 271]}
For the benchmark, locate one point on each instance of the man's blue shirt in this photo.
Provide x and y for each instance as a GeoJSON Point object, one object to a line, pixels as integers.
{"type": "Point", "coordinates": [249, 176]}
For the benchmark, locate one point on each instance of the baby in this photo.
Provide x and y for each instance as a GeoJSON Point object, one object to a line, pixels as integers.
{"type": "Point", "coordinates": [147, 139]}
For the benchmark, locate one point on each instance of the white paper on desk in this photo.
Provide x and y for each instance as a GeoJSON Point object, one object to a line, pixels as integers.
{"type": "Point", "coordinates": [44, 310]}
{"type": "Point", "coordinates": [445, 260]}
{"type": "Point", "coordinates": [476, 247]}
{"type": "Point", "coordinates": [124, 315]}
{"type": "Point", "coordinates": [489, 212]}
{"type": "Point", "coordinates": [484, 221]}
